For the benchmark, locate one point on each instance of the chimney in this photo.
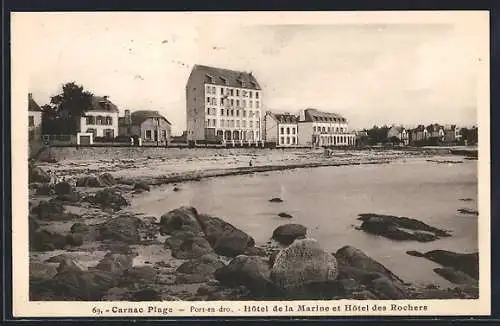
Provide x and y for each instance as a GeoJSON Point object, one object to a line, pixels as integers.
{"type": "Point", "coordinates": [105, 97]}
{"type": "Point", "coordinates": [30, 96]}
{"type": "Point", "coordinates": [128, 119]}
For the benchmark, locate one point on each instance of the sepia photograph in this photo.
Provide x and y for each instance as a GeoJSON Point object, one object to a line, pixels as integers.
{"type": "Point", "coordinates": [289, 163]}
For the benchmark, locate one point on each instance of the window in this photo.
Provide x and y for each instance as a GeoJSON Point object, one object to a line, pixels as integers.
{"type": "Point", "coordinates": [288, 130]}
{"type": "Point", "coordinates": [251, 124]}
{"type": "Point", "coordinates": [256, 94]}
{"type": "Point", "coordinates": [237, 113]}
{"type": "Point", "coordinates": [99, 120]}
{"type": "Point", "coordinates": [156, 135]}
{"type": "Point", "coordinates": [213, 90]}
{"type": "Point", "coordinates": [237, 102]}
{"type": "Point", "coordinates": [109, 121]}
{"type": "Point", "coordinates": [231, 92]}
{"type": "Point", "coordinates": [31, 121]}
{"type": "Point", "coordinates": [222, 91]}
{"type": "Point", "coordinates": [221, 111]}
{"type": "Point", "coordinates": [148, 134]}
{"type": "Point", "coordinates": [222, 123]}
{"type": "Point", "coordinates": [293, 131]}
{"type": "Point", "coordinates": [250, 94]}
{"type": "Point", "coordinates": [282, 130]}
{"type": "Point", "coordinates": [337, 129]}
{"type": "Point", "coordinates": [314, 129]}
{"type": "Point", "coordinates": [244, 123]}
{"type": "Point", "coordinates": [288, 140]}
{"type": "Point", "coordinates": [237, 92]}
{"type": "Point", "coordinates": [250, 114]}
{"type": "Point", "coordinates": [250, 104]}
{"type": "Point", "coordinates": [232, 113]}
{"type": "Point", "coordinates": [232, 102]}
{"type": "Point", "coordinates": [243, 103]}
{"type": "Point", "coordinates": [323, 129]}
{"type": "Point", "coordinates": [208, 89]}
{"type": "Point", "coordinates": [282, 140]}
{"type": "Point", "coordinates": [208, 110]}
{"type": "Point", "coordinates": [213, 122]}
{"type": "Point", "coordinates": [164, 134]}
{"type": "Point", "coordinates": [329, 129]}
{"type": "Point", "coordinates": [244, 113]}
{"type": "Point", "coordinates": [238, 123]}
{"type": "Point", "coordinates": [208, 100]}
{"type": "Point", "coordinates": [256, 104]}
{"type": "Point", "coordinates": [90, 120]}
{"type": "Point", "coordinates": [221, 101]}
{"type": "Point", "coordinates": [31, 134]}
{"type": "Point", "coordinates": [293, 140]}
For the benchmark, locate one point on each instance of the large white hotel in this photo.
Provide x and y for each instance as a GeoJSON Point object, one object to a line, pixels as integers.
{"type": "Point", "coordinates": [223, 105]}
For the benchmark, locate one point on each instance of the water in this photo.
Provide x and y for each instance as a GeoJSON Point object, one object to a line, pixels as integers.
{"type": "Point", "coordinates": [328, 200]}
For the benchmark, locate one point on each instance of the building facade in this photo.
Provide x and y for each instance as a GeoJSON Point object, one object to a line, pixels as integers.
{"type": "Point", "coordinates": [324, 129]}
{"type": "Point", "coordinates": [435, 131]}
{"type": "Point", "coordinates": [400, 133]}
{"type": "Point", "coordinates": [452, 134]}
{"type": "Point", "coordinates": [101, 120]}
{"type": "Point", "coordinates": [34, 125]}
{"type": "Point", "coordinates": [281, 129]}
{"type": "Point", "coordinates": [223, 105]}
{"type": "Point", "coordinates": [419, 133]}
{"type": "Point", "coordinates": [152, 127]}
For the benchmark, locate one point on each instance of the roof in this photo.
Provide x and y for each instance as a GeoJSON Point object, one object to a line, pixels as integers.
{"type": "Point", "coordinates": [433, 127]}
{"type": "Point", "coordinates": [284, 117]}
{"type": "Point", "coordinates": [398, 128]}
{"type": "Point", "coordinates": [225, 77]}
{"type": "Point", "coordinates": [314, 115]}
{"type": "Point", "coordinates": [103, 104]}
{"type": "Point", "coordinates": [140, 116]}
{"type": "Point", "coordinates": [32, 105]}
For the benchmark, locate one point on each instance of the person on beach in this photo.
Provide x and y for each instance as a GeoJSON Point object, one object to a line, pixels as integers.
{"type": "Point", "coordinates": [250, 164]}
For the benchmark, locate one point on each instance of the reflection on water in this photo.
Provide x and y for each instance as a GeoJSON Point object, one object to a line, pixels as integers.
{"type": "Point", "coordinates": [327, 200]}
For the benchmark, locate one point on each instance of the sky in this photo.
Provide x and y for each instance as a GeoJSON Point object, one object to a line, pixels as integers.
{"type": "Point", "coordinates": [370, 72]}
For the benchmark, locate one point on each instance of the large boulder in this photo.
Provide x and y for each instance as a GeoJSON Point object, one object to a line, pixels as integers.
{"type": "Point", "coordinates": [250, 271]}
{"type": "Point", "coordinates": [37, 174]}
{"type": "Point", "coordinates": [53, 211]}
{"type": "Point", "coordinates": [467, 263]}
{"type": "Point", "coordinates": [355, 264]}
{"type": "Point", "coordinates": [142, 185]}
{"type": "Point", "coordinates": [44, 240]}
{"type": "Point", "coordinates": [121, 228]}
{"type": "Point", "coordinates": [198, 270]}
{"type": "Point", "coordinates": [301, 265]}
{"type": "Point", "coordinates": [63, 188]}
{"type": "Point", "coordinates": [286, 234]}
{"type": "Point", "coordinates": [42, 271]}
{"type": "Point", "coordinates": [107, 180]}
{"type": "Point", "coordinates": [43, 189]}
{"type": "Point", "coordinates": [226, 239]}
{"type": "Point", "coordinates": [455, 276]}
{"type": "Point", "coordinates": [109, 198]}
{"type": "Point", "coordinates": [115, 264]}
{"type": "Point", "coordinates": [188, 246]}
{"type": "Point", "coordinates": [400, 228]}
{"type": "Point", "coordinates": [180, 219]}
{"type": "Point", "coordinates": [139, 275]}
{"type": "Point", "coordinates": [385, 289]}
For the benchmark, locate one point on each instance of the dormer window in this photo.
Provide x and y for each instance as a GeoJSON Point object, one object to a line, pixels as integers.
{"type": "Point", "coordinates": [224, 80]}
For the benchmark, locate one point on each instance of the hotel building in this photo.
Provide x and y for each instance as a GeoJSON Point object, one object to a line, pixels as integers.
{"type": "Point", "coordinates": [223, 105]}
{"type": "Point", "coordinates": [324, 129]}
{"type": "Point", "coordinates": [281, 129]}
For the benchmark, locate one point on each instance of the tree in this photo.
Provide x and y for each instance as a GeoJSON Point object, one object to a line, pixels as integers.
{"type": "Point", "coordinates": [65, 109]}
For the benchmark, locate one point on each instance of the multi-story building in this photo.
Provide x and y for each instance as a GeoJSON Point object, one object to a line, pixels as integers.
{"type": "Point", "coordinates": [435, 131]}
{"type": "Point", "coordinates": [400, 133]}
{"type": "Point", "coordinates": [418, 134]}
{"type": "Point", "coordinates": [451, 133]}
{"type": "Point", "coordinates": [224, 105]}
{"type": "Point", "coordinates": [324, 129]}
{"type": "Point", "coordinates": [101, 119]}
{"type": "Point", "coordinates": [34, 125]}
{"type": "Point", "coordinates": [150, 126]}
{"type": "Point", "coordinates": [281, 129]}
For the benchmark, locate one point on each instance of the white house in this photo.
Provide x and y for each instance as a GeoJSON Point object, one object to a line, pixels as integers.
{"type": "Point", "coordinates": [101, 120]}
{"type": "Point", "coordinates": [324, 129]}
{"type": "Point", "coordinates": [400, 133]}
{"type": "Point", "coordinates": [281, 129]}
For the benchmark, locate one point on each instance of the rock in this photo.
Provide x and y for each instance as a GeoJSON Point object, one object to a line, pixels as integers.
{"type": "Point", "coordinates": [117, 294]}
{"type": "Point", "coordinates": [226, 239]}
{"type": "Point", "coordinates": [455, 276]}
{"type": "Point", "coordinates": [87, 232]}
{"type": "Point", "coordinates": [107, 180]}
{"type": "Point", "coordinates": [286, 234]}
{"type": "Point", "coordinates": [199, 270]}
{"type": "Point", "coordinates": [53, 211]}
{"type": "Point", "coordinates": [63, 188]}
{"type": "Point", "coordinates": [188, 247]}
{"type": "Point", "coordinates": [255, 251]}
{"type": "Point", "coordinates": [355, 264]}
{"type": "Point", "coordinates": [121, 228]}
{"type": "Point", "coordinates": [115, 264]}
{"type": "Point", "coordinates": [276, 200]}
{"type": "Point", "coordinates": [37, 174]}
{"type": "Point", "coordinates": [89, 181]}
{"type": "Point", "coordinates": [141, 185]}
{"type": "Point", "coordinates": [33, 225]}
{"type": "Point", "coordinates": [180, 219]}
{"type": "Point", "coordinates": [302, 263]}
{"type": "Point", "coordinates": [176, 189]}
{"type": "Point", "coordinates": [109, 198]}
{"type": "Point", "coordinates": [46, 241]}
{"type": "Point", "coordinates": [285, 215]}
{"type": "Point", "coordinates": [206, 290]}
{"type": "Point", "coordinates": [467, 263]}
{"type": "Point", "coordinates": [146, 295]}
{"type": "Point", "coordinates": [400, 228]}
{"type": "Point", "coordinates": [41, 271]}
{"type": "Point", "coordinates": [72, 197]}
{"type": "Point", "coordinates": [69, 264]}
{"type": "Point", "coordinates": [44, 189]}
{"type": "Point", "coordinates": [251, 272]}
{"type": "Point", "coordinates": [75, 240]}
{"type": "Point", "coordinates": [139, 275]}
{"type": "Point", "coordinates": [468, 211]}
{"type": "Point", "coordinates": [81, 285]}
{"type": "Point", "coordinates": [386, 289]}
{"type": "Point", "coordinates": [414, 253]}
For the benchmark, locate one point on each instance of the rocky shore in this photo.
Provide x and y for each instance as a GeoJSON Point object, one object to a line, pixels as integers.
{"type": "Point", "coordinates": [85, 244]}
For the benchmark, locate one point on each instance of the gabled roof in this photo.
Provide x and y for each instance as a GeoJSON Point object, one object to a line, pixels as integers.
{"type": "Point", "coordinates": [433, 127]}
{"type": "Point", "coordinates": [102, 104]}
{"type": "Point", "coordinates": [225, 77]}
{"type": "Point", "coordinates": [314, 115]}
{"type": "Point", "coordinates": [284, 117]}
{"type": "Point", "coordinates": [140, 116]}
{"type": "Point", "coordinates": [32, 105]}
